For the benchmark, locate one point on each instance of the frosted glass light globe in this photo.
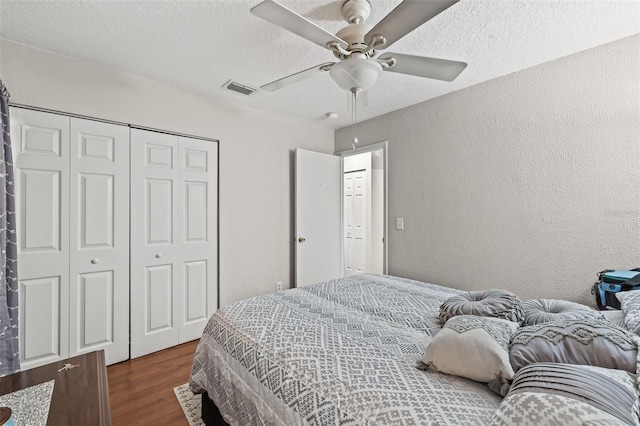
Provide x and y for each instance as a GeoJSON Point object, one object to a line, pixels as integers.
{"type": "Point", "coordinates": [355, 73]}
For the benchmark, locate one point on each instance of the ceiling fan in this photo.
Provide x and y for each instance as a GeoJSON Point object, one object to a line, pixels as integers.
{"type": "Point", "coordinates": [356, 45]}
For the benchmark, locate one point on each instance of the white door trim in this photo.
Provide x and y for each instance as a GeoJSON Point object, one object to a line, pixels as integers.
{"type": "Point", "coordinates": [384, 146]}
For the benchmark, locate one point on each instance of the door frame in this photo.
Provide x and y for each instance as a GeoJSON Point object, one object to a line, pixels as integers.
{"type": "Point", "coordinates": [384, 146]}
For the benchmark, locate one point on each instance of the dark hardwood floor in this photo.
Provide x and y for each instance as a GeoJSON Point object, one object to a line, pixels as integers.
{"type": "Point", "coordinates": [141, 390]}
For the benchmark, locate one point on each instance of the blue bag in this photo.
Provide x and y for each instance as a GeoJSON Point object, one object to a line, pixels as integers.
{"type": "Point", "coordinates": [612, 282]}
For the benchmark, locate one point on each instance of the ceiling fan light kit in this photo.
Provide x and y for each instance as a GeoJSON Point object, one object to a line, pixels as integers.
{"type": "Point", "coordinates": [356, 74]}
{"type": "Point", "coordinates": [355, 45]}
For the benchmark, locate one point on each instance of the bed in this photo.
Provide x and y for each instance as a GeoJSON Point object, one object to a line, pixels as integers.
{"type": "Point", "coordinates": [340, 352]}
{"type": "Point", "coordinates": [354, 351]}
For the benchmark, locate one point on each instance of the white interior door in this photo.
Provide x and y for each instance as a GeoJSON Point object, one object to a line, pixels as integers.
{"type": "Point", "coordinates": [155, 233]}
{"type": "Point", "coordinates": [174, 239]}
{"type": "Point", "coordinates": [318, 228]}
{"type": "Point", "coordinates": [99, 239]}
{"type": "Point", "coordinates": [41, 157]}
{"type": "Point", "coordinates": [198, 180]}
{"type": "Point", "coordinates": [355, 222]}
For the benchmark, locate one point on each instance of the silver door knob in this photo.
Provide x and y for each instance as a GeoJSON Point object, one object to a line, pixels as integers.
{"type": "Point", "coordinates": [94, 261]}
{"type": "Point", "coordinates": [158, 255]}
{"type": "Point", "coordinates": [302, 239]}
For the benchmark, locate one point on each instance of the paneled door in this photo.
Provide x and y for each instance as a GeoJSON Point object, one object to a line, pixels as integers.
{"type": "Point", "coordinates": [99, 236]}
{"type": "Point", "coordinates": [198, 177]}
{"type": "Point", "coordinates": [173, 239]}
{"type": "Point", "coordinates": [41, 155]}
{"type": "Point", "coordinates": [154, 242]}
{"type": "Point", "coordinates": [355, 222]}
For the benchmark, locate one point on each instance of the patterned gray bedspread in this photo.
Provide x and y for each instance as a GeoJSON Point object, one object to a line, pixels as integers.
{"type": "Point", "coordinates": [342, 352]}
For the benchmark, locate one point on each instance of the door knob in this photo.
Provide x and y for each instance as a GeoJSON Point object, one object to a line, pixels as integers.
{"type": "Point", "coordinates": [95, 260]}
{"type": "Point", "coordinates": [302, 239]}
{"type": "Point", "coordinates": [158, 255]}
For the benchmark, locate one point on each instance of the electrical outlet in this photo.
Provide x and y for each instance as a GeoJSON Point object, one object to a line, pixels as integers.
{"type": "Point", "coordinates": [278, 285]}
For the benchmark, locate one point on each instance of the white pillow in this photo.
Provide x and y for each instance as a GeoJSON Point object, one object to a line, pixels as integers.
{"type": "Point", "coordinates": [473, 347]}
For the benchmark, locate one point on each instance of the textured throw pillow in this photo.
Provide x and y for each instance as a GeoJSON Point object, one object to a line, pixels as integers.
{"type": "Point", "coordinates": [473, 347]}
{"type": "Point", "coordinates": [554, 394]}
{"type": "Point", "coordinates": [486, 303]}
{"type": "Point", "coordinates": [583, 342]}
{"type": "Point", "coordinates": [630, 306]}
{"type": "Point", "coordinates": [615, 316]}
{"type": "Point", "coordinates": [537, 311]}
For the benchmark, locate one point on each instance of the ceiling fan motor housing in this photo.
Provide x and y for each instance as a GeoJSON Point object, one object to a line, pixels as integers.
{"type": "Point", "coordinates": [356, 11]}
{"type": "Point", "coordinates": [354, 35]}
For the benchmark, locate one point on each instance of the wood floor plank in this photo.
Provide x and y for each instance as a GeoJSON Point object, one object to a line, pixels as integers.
{"type": "Point", "coordinates": [141, 390]}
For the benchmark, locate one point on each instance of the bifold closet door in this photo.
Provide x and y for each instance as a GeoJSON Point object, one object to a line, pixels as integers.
{"type": "Point", "coordinates": [198, 171]}
{"type": "Point", "coordinates": [154, 241]}
{"type": "Point", "coordinates": [173, 239]}
{"type": "Point", "coordinates": [99, 235]}
{"type": "Point", "coordinates": [72, 203]}
{"type": "Point", "coordinates": [40, 144]}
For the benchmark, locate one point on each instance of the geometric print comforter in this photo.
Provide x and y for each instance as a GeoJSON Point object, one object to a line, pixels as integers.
{"type": "Point", "coordinates": [342, 352]}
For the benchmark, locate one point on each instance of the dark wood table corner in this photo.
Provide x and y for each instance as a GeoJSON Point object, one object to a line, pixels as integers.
{"type": "Point", "coordinates": [80, 394]}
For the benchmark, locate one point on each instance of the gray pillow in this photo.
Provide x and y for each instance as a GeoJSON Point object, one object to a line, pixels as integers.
{"type": "Point", "coordinates": [485, 303]}
{"type": "Point", "coordinates": [630, 305]}
{"type": "Point", "coordinates": [537, 311]}
{"type": "Point", "coordinates": [549, 393]}
{"type": "Point", "coordinates": [583, 342]}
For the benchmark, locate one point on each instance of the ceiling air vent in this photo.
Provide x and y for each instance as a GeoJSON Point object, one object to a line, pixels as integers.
{"type": "Point", "coordinates": [240, 88]}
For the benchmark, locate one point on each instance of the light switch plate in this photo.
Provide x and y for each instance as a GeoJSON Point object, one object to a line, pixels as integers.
{"type": "Point", "coordinates": [399, 223]}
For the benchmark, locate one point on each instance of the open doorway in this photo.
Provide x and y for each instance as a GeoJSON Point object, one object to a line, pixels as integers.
{"type": "Point", "coordinates": [364, 210]}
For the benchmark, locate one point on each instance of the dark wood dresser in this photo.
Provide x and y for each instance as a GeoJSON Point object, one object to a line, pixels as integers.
{"type": "Point", "coordinates": [80, 394]}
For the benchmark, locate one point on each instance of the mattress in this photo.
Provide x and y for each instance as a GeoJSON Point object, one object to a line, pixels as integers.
{"type": "Point", "coordinates": [342, 352]}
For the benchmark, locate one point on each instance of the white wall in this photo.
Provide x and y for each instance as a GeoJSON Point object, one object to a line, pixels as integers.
{"type": "Point", "coordinates": [255, 152]}
{"type": "Point", "coordinates": [529, 182]}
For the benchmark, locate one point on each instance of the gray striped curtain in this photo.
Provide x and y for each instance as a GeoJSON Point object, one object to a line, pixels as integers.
{"type": "Point", "coordinates": [9, 353]}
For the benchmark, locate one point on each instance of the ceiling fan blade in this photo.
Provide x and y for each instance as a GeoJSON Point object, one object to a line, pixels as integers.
{"type": "Point", "coordinates": [297, 77]}
{"type": "Point", "coordinates": [421, 66]}
{"type": "Point", "coordinates": [406, 17]}
{"type": "Point", "coordinates": [285, 18]}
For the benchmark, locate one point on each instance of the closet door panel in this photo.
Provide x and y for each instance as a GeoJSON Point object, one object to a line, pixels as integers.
{"type": "Point", "coordinates": [159, 211]}
{"type": "Point", "coordinates": [99, 236]}
{"type": "Point", "coordinates": [196, 291]}
{"type": "Point", "coordinates": [40, 195]}
{"type": "Point", "coordinates": [41, 158]}
{"type": "Point", "coordinates": [159, 292]}
{"type": "Point", "coordinates": [96, 309]}
{"type": "Point", "coordinates": [198, 161]}
{"type": "Point", "coordinates": [40, 322]}
{"type": "Point", "coordinates": [155, 249]}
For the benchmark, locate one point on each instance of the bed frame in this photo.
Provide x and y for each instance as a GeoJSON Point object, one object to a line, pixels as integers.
{"type": "Point", "coordinates": [210, 414]}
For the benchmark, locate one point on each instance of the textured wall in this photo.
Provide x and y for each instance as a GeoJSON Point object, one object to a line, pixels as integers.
{"type": "Point", "coordinates": [529, 182]}
{"type": "Point", "coordinates": [255, 152]}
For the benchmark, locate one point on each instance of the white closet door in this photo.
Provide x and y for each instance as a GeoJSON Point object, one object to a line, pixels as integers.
{"type": "Point", "coordinates": [99, 239]}
{"type": "Point", "coordinates": [360, 226]}
{"type": "Point", "coordinates": [355, 222]}
{"type": "Point", "coordinates": [41, 156]}
{"type": "Point", "coordinates": [198, 177]}
{"type": "Point", "coordinates": [155, 235]}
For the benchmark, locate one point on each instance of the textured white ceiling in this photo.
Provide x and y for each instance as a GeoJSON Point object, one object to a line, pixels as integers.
{"type": "Point", "coordinates": [199, 45]}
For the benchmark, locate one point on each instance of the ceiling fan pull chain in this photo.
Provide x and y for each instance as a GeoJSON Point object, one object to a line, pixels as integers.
{"type": "Point", "coordinates": [354, 117]}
